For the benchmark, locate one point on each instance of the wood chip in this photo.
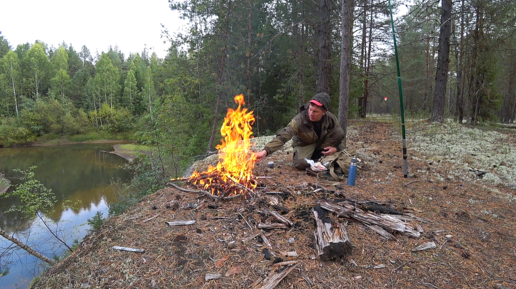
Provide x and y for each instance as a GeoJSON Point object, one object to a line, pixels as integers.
{"type": "Point", "coordinates": [128, 249]}
{"type": "Point", "coordinates": [181, 223]}
{"type": "Point", "coordinates": [211, 276]}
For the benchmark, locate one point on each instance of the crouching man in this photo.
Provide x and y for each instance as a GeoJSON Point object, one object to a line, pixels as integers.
{"type": "Point", "coordinates": [315, 132]}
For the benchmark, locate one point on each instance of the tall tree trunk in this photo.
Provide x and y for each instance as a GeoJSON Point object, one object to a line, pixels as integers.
{"type": "Point", "coordinates": [474, 79]}
{"type": "Point", "coordinates": [249, 51]}
{"type": "Point", "coordinates": [301, 58]}
{"type": "Point", "coordinates": [363, 56]}
{"type": "Point", "coordinates": [459, 53]}
{"type": "Point", "coordinates": [368, 66]}
{"type": "Point", "coordinates": [25, 247]}
{"type": "Point", "coordinates": [324, 67]}
{"type": "Point", "coordinates": [36, 83]}
{"type": "Point", "coordinates": [443, 60]}
{"type": "Point", "coordinates": [345, 64]}
{"type": "Point", "coordinates": [219, 79]}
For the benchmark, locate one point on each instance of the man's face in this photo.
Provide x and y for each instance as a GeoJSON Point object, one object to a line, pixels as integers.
{"type": "Point", "coordinates": [315, 113]}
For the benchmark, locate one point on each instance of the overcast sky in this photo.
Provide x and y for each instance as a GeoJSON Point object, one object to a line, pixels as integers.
{"type": "Point", "coordinates": [129, 24]}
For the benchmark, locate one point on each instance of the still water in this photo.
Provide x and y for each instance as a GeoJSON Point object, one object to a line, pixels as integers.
{"type": "Point", "coordinates": [82, 174]}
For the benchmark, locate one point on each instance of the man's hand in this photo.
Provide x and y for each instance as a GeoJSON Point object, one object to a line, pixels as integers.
{"type": "Point", "coordinates": [260, 155]}
{"type": "Point", "coordinates": [329, 150]}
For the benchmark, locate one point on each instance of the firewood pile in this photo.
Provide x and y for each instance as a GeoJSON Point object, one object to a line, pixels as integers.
{"type": "Point", "coordinates": [330, 216]}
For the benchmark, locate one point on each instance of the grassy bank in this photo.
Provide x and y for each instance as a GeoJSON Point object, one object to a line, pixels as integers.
{"type": "Point", "coordinates": [92, 137]}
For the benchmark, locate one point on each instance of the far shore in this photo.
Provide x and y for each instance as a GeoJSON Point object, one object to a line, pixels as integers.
{"type": "Point", "coordinates": [53, 143]}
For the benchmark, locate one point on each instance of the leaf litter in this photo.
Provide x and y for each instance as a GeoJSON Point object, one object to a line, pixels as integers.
{"type": "Point", "coordinates": [471, 223]}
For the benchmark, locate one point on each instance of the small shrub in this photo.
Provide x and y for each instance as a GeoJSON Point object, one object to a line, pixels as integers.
{"type": "Point", "coordinates": [97, 221]}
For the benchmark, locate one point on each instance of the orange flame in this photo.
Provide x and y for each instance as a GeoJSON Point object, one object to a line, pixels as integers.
{"type": "Point", "coordinates": [236, 160]}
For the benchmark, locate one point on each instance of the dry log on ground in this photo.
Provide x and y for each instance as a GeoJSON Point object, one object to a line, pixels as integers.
{"type": "Point", "coordinates": [331, 239]}
{"type": "Point", "coordinates": [388, 222]}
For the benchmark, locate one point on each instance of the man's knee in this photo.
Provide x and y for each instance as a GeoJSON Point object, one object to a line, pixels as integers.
{"type": "Point", "coordinates": [300, 164]}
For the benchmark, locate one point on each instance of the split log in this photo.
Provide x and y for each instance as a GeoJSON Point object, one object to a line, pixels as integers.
{"type": "Point", "coordinates": [272, 226]}
{"type": "Point", "coordinates": [388, 222]}
{"type": "Point", "coordinates": [181, 223]}
{"type": "Point", "coordinates": [331, 239]}
{"type": "Point", "coordinates": [273, 280]}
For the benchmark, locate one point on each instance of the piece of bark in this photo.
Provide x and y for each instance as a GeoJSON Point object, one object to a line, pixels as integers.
{"type": "Point", "coordinates": [284, 263]}
{"type": "Point", "coordinates": [280, 218]}
{"type": "Point", "coordinates": [181, 223]}
{"type": "Point", "coordinates": [289, 254]}
{"type": "Point", "coordinates": [272, 226]}
{"type": "Point", "coordinates": [211, 276]}
{"type": "Point", "coordinates": [128, 249]}
{"type": "Point", "coordinates": [425, 246]}
{"type": "Point", "coordinates": [331, 239]}
{"type": "Point", "coordinates": [273, 280]}
{"type": "Point", "coordinates": [388, 222]}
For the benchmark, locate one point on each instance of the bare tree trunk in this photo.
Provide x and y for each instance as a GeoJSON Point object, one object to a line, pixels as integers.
{"type": "Point", "coordinates": [363, 56]}
{"type": "Point", "coordinates": [14, 89]}
{"type": "Point", "coordinates": [25, 247]}
{"type": "Point", "coordinates": [443, 60]}
{"type": "Point", "coordinates": [324, 67]}
{"type": "Point", "coordinates": [248, 54]}
{"type": "Point", "coordinates": [301, 58]}
{"type": "Point", "coordinates": [345, 64]}
{"type": "Point", "coordinates": [219, 80]}
{"type": "Point", "coordinates": [368, 67]}
{"type": "Point", "coordinates": [459, 53]}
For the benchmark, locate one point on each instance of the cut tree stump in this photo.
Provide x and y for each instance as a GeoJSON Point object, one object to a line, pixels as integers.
{"type": "Point", "coordinates": [331, 238]}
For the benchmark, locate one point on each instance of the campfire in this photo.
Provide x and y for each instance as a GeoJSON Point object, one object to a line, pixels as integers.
{"type": "Point", "coordinates": [233, 174]}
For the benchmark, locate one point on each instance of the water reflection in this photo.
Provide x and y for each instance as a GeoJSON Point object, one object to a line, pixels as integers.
{"type": "Point", "coordinates": [81, 174]}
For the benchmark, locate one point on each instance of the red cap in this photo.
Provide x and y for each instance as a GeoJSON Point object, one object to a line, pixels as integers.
{"type": "Point", "coordinates": [316, 102]}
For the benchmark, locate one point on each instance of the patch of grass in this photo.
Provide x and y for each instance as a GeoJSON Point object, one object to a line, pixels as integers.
{"type": "Point", "coordinates": [135, 147]}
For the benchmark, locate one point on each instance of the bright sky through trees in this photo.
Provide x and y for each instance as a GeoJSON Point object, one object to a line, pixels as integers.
{"type": "Point", "coordinates": [128, 24]}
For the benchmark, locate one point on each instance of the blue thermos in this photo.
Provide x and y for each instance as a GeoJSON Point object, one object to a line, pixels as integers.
{"type": "Point", "coordinates": [352, 172]}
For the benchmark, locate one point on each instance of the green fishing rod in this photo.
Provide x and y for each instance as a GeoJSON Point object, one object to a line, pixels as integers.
{"type": "Point", "coordinates": [404, 140]}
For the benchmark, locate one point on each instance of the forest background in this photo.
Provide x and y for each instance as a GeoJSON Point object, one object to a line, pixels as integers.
{"type": "Point", "coordinates": [278, 54]}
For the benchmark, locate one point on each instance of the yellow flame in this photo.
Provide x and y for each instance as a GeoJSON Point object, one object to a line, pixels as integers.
{"type": "Point", "coordinates": [236, 160]}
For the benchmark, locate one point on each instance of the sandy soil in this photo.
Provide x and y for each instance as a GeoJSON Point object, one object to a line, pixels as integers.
{"type": "Point", "coordinates": [472, 224]}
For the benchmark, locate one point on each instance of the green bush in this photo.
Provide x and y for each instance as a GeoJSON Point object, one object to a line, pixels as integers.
{"type": "Point", "coordinates": [97, 221]}
{"type": "Point", "coordinates": [11, 135]}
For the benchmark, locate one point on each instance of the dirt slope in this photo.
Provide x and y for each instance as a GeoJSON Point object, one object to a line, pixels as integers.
{"type": "Point", "coordinates": [480, 253]}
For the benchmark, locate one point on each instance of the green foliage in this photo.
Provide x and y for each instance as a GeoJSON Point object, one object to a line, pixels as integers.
{"type": "Point", "coordinates": [34, 196]}
{"type": "Point", "coordinates": [11, 134]}
{"type": "Point", "coordinates": [96, 221]}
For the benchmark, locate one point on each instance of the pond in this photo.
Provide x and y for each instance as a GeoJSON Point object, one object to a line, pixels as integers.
{"type": "Point", "coordinates": [81, 174]}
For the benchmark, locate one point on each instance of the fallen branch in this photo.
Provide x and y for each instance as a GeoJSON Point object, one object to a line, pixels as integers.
{"type": "Point", "coordinates": [128, 249]}
{"type": "Point", "coordinates": [272, 226]}
{"type": "Point", "coordinates": [273, 280]}
{"type": "Point", "coordinates": [145, 221]}
{"type": "Point", "coordinates": [206, 193]}
{"type": "Point", "coordinates": [280, 218]}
